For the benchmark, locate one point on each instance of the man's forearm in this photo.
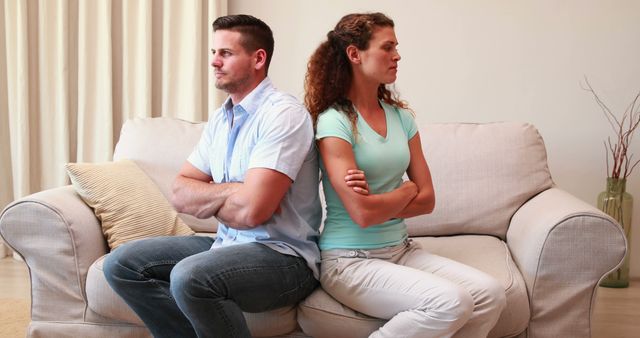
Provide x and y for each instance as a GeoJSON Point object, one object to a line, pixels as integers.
{"type": "Point", "coordinates": [231, 213]}
{"type": "Point", "coordinates": [239, 212]}
{"type": "Point", "coordinates": [200, 199]}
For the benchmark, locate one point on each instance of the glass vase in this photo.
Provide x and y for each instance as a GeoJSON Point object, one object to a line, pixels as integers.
{"type": "Point", "coordinates": [618, 204]}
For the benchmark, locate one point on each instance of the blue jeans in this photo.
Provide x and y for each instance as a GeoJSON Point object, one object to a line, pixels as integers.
{"type": "Point", "coordinates": [180, 288]}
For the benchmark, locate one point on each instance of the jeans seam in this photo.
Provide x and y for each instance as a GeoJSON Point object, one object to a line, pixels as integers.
{"type": "Point", "coordinates": [230, 271]}
{"type": "Point", "coordinates": [297, 287]}
{"type": "Point", "coordinates": [288, 267]}
{"type": "Point", "coordinates": [229, 324]}
{"type": "Point", "coordinates": [144, 268]}
{"type": "Point", "coordinates": [292, 291]}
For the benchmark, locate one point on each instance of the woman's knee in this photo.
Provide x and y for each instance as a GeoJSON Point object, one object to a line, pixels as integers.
{"type": "Point", "coordinates": [461, 305]}
{"type": "Point", "coordinates": [493, 293]}
{"type": "Point", "coordinates": [454, 306]}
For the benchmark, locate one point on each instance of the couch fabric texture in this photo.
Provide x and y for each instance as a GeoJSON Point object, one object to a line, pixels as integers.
{"type": "Point", "coordinates": [497, 209]}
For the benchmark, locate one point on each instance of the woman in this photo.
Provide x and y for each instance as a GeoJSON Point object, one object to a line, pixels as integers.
{"type": "Point", "coordinates": [368, 140]}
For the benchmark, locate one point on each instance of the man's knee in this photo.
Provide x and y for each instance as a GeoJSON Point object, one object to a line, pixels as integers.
{"type": "Point", "coordinates": [115, 265]}
{"type": "Point", "coordinates": [493, 294]}
{"type": "Point", "coordinates": [188, 279]}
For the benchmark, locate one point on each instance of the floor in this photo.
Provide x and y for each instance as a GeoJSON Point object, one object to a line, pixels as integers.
{"type": "Point", "coordinates": [616, 314]}
{"type": "Point", "coordinates": [14, 279]}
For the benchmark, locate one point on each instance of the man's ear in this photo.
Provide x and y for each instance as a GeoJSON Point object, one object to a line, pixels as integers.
{"type": "Point", "coordinates": [353, 54]}
{"type": "Point", "coordinates": [260, 59]}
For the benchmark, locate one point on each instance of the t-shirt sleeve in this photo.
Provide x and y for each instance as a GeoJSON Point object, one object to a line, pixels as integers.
{"type": "Point", "coordinates": [285, 139]}
{"type": "Point", "coordinates": [199, 157]}
{"type": "Point", "coordinates": [408, 123]}
{"type": "Point", "coordinates": [332, 123]}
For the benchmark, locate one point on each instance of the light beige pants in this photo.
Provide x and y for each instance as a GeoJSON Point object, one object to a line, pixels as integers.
{"type": "Point", "coordinates": [419, 293]}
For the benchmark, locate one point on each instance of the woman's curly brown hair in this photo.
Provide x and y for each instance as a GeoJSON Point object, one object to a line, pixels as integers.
{"type": "Point", "coordinates": [329, 73]}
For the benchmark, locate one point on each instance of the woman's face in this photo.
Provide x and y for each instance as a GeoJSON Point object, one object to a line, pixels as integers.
{"type": "Point", "coordinates": [380, 60]}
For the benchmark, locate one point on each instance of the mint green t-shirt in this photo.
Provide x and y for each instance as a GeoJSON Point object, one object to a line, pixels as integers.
{"type": "Point", "coordinates": [384, 161]}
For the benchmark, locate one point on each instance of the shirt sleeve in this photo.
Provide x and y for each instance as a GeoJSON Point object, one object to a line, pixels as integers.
{"type": "Point", "coordinates": [332, 123]}
{"type": "Point", "coordinates": [408, 122]}
{"type": "Point", "coordinates": [285, 139]}
{"type": "Point", "coordinates": [199, 157]}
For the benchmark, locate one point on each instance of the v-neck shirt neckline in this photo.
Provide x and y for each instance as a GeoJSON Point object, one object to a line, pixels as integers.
{"type": "Point", "coordinates": [370, 129]}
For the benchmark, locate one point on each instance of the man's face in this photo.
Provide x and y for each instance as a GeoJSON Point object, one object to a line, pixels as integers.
{"type": "Point", "coordinates": [233, 65]}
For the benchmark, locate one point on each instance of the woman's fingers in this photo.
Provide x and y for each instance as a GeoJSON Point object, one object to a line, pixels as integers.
{"type": "Point", "coordinates": [356, 179]}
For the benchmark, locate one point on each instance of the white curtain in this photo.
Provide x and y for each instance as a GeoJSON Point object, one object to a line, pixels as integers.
{"type": "Point", "coordinates": [71, 71]}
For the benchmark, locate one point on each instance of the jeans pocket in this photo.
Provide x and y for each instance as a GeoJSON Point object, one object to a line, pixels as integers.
{"type": "Point", "coordinates": [331, 266]}
{"type": "Point", "coordinates": [336, 270]}
{"type": "Point", "coordinates": [297, 289]}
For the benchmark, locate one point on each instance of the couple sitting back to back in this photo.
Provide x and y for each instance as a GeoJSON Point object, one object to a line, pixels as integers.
{"type": "Point", "coordinates": [255, 169]}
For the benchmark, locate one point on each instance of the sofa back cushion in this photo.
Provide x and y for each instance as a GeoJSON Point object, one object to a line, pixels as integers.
{"type": "Point", "coordinates": [160, 146]}
{"type": "Point", "coordinates": [482, 173]}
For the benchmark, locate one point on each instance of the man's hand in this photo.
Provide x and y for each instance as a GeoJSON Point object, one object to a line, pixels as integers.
{"type": "Point", "coordinates": [195, 193]}
{"type": "Point", "coordinates": [356, 179]}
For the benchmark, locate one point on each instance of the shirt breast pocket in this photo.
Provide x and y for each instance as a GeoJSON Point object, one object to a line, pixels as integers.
{"type": "Point", "coordinates": [238, 168]}
{"type": "Point", "coordinates": [241, 159]}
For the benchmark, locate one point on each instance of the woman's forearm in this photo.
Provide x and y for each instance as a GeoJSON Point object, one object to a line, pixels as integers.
{"type": "Point", "coordinates": [423, 203]}
{"type": "Point", "coordinates": [376, 209]}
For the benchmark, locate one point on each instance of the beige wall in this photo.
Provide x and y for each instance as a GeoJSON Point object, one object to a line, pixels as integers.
{"type": "Point", "coordinates": [480, 61]}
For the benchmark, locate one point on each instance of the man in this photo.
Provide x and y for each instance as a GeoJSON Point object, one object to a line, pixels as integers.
{"type": "Point", "coordinates": [256, 170]}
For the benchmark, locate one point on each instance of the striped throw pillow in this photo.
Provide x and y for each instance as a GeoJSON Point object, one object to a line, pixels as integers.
{"type": "Point", "coordinates": [126, 201]}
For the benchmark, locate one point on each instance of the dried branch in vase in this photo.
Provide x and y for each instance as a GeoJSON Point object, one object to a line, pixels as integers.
{"type": "Point", "coordinates": [624, 129]}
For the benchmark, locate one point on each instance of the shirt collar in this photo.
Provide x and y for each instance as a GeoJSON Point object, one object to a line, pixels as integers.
{"type": "Point", "coordinates": [251, 102]}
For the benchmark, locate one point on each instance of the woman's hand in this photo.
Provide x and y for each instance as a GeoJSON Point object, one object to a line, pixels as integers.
{"type": "Point", "coordinates": [356, 179]}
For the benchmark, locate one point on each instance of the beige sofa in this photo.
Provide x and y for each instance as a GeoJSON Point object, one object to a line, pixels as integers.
{"type": "Point", "coordinates": [497, 210]}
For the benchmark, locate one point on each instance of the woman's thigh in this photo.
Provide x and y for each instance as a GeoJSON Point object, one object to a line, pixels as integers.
{"type": "Point", "coordinates": [470, 278]}
{"type": "Point", "coordinates": [382, 289]}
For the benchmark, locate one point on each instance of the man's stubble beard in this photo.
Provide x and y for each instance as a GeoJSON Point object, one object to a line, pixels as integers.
{"type": "Point", "coordinates": [233, 86]}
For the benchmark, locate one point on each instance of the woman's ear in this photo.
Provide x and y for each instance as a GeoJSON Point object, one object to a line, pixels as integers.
{"type": "Point", "coordinates": [353, 54]}
{"type": "Point", "coordinates": [260, 59]}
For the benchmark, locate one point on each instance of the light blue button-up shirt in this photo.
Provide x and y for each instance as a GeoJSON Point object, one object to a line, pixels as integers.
{"type": "Point", "coordinates": [267, 129]}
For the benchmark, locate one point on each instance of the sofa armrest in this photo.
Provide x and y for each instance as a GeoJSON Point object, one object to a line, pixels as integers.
{"type": "Point", "coordinates": [563, 247]}
{"type": "Point", "coordinates": [59, 237]}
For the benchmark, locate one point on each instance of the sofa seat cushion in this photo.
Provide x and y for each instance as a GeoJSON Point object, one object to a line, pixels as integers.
{"type": "Point", "coordinates": [322, 316]}
{"type": "Point", "coordinates": [105, 302]}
